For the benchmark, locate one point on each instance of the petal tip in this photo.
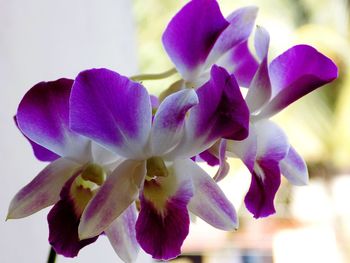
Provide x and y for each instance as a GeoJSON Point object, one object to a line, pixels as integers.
{"type": "Point", "coordinates": [84, 232]}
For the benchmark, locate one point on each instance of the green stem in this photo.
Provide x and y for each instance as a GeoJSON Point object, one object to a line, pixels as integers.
{"type": "Point", "coordinates": [162, 75]}
{"type": "Point", "coordinates": [52, 256]}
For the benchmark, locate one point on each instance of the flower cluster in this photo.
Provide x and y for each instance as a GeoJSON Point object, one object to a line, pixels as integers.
{"type": "Point", "coordinates": [123, 162]}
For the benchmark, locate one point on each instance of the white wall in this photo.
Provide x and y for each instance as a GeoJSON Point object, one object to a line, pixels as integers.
{"type": "Point", "coordinates": [45, 40]}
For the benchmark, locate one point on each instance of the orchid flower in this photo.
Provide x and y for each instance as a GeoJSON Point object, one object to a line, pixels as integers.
{"type": "Point", "coordinates": [266, 152]}
{"type": "Point", "coordinates": [78, 167]}
{"type": "Point", "coordinates": [198, 36]}
{"type": "Point", "coordinates": [156, 170]}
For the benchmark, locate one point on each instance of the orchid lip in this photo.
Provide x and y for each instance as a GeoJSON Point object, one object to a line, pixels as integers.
{"type": "Point", "coordinates": [156, 167]}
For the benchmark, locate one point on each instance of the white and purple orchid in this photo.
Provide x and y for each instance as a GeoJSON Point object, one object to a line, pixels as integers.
{"type": "Point", "coordinates": [94, 191]}
{"type": "Point", "coordinates": [78, 166]}
{"type": "Point", "coordinates": [267, 152]}
{"type": "Point", "coordinates": [123, 165]}
{"type": "Point", "coordinates": [157, 169]}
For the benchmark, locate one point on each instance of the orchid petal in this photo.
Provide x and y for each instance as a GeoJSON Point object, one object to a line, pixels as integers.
{"type": "Point", "coordinates": [272, 141]}
{"type": "Point", "coordinates": [224, 167]}
{"type": "Point", "coordinates": [154, 101]}
{"type": "Point", "coordinates": [221, 111]}
{"type": "Point", "coordinates": [208, 157]}
{"type": "Point", "coordinates": [116, 194]}
{"type": "Point", "coordinates": [43, 116]}
{"type": "Point", "coordinates": [43, 190]}
{"type": "Point", "coordinates": [163, 222]}
{"type": "Point", "coordinates": [191, 34]}
{"type": "Point", "coordinates": [122, 235]}
{"type": "Point", "coordinates": [259, 91]}
{"type": "Point", "coordinates": [241, 24]}
{"type": "Point", "coordinates": [246, 149]}
{"type": "Point", "coordinates": [240, 62]}
{"type": "Point", "coordinates": [208, 201]}
{"type": "Point", "coordinates": [295, 73]}
{"type": "Point", "coordinates": [293, 167]}
{"type": "Point", "coordinates": [169, 120]}
{"type": "Point", "coordinates": [41, 153]}
{"type": "Point", "coordinates": [111, 110]}
{"type": "Point", "coordinates": [265, 182]}
{"type": "Point", "coordinates": [64, 220]}
{"type": "Point", "coordinates": [272, 147]}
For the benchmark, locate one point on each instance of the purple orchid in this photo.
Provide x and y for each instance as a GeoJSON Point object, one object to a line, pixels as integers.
{"type": "Point", "coordinates": [156, 169]}
{"type": "Point", "coordinates": [78, 167]}
{"type": "Point", "coordinates": [198, 36]}
{"type": "Point", "coordinates": [266, 152]}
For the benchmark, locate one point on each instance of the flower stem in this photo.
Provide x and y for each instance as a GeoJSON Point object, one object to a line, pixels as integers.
{"type": "Point", "coordinates": [162, 75]}
{"type": "Point", "coordinates": [52, 256]}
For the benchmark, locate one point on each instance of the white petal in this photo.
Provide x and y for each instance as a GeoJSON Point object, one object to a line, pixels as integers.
{"type": "Point", "coordinates": [122, 235]}
{"type": "Point", "coordinates": [272, 141]}
{"type": "Point", "coordinates": [44, 190]}
{"type": "Point", "coordinates": [116, 194]}
{"type": "Point", "coordinates": [209, 202]}
{"type": "Point", "coordinates": [294, 168]}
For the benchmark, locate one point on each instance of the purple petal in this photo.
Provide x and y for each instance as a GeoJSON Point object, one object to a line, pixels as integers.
{"type": "Point", "coordinates": [224, 167]}
{"type": "Point", "coordinates": [64, 220]}
{"type": "Point", "coordinates": [43, 190]}
{"type": "Point", "coordinates": [208, 201]}
{"type": "Point", "coordinates": [122, 235]}
{"type": "Point", "coordinates": [111, 110]}
{"type": "Point", "coordinates": [168, 123]}
{"type": "Point", "coordinates": [259, 92]}
{"type": "Point", "coordinates": [272, 147]}
{"type": "Point", "coordinates": [163, 222]}
{"type": "Point", "coordinates": [295, 73]}
{"type": "Point", "coordinates": [43, 116]}
{"type": "Point", "coordinates": [265, 182]}
{"type": "Point", "coordinates": [120, 189]}
{"type": "Point", "coordinates": [191, 34]}
{"type": "Point", "coordinates": [209, 158]}
{"type": "Point", "coordinates": [240, 62]}
{"type": "Point", "coordinates": [154, 101]}
{"type": "Point", "coordinates": [222, 111]}
{"type": "Point", "coordinates": [293, 167]}
{"type": "Point", "coordinates": [241, 24]}
{"type": "Point", "coordinates": [41, 153]}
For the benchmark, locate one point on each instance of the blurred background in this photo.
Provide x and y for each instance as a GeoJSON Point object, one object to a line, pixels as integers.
{"type": "Point", "coordinates": [45, 40]}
